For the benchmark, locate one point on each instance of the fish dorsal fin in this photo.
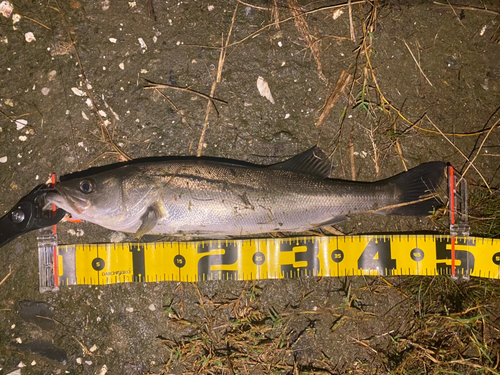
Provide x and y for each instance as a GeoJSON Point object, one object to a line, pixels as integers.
{"type": "Point", "coordinates": [313, 161]}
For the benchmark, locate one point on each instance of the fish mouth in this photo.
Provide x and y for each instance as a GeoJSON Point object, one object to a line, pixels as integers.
{"type": "Point", "coordinates": [70, 203]}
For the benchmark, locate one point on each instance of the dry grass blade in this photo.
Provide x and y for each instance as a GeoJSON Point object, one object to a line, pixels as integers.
{"type": "Point", "coordinates": [480, 147]}
{"type": "Point", "coordinates": [418, 65]}
{"type": "Point", "coordinates": [341, 85]}
{"type": "Point", "coordinates": [7, 276]}
{"type": "Point", "coordinates": [173, 106]}
{"type": "Point", "coordinates": [468, 8]}
{"type": "Point", "coordinates": [152, 85]}
{"type": "Point", "coordinates": [253, 6]}
{"type": "Point", "coordinates": [423, 199]}
{"type": "Point", "coordinates": [351, 24]}
{"type": "Point", "coordinates": [35, 21]}
{"type": "Point", "coordinates": [276, 14]}
{"type": "Point", "coordinates": [461, 153]}
{"type": "Point", "coordinates": [222, 59]}
{"type": "Point", "coordinates": [456, 15]}
{"type": "Point", "coordinates": [301, 14]}
{"type": "Point", "coordinates": [303, 28]}
{"type": "Point", "coordinates": [151, 9]}
{"type": "Point", "coordinates": [376, 152]}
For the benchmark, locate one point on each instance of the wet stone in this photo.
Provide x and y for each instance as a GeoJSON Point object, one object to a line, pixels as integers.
{"type": "Point", "coordinates": [37, 312]}
{"type": "Point", "coordinates": [45, 349]}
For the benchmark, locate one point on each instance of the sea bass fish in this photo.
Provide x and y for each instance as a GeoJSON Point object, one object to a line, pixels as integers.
{"type": "Point", "coordinates": [207, 197]}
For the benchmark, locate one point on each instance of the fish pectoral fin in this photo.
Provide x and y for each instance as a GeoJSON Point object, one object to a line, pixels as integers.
{"type": "Point", "coordinates": [149, 220]}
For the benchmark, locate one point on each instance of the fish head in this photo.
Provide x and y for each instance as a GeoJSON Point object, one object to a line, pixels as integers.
{"type": "Point", "coordinates": [97, 199]}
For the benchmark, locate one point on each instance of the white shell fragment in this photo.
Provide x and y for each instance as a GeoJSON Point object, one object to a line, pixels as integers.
{"type": "Point", "coordinates": [104, 370]}
{"type": "Point", "coordinates": [78, 92]}
{"type": "Point", "coordinates": [6, 8]}
{"type": "Point", "coordinates": [16, 18]}
{"type": "Point", "coordinates": [264, 90]}
{"type": "Point", "coordinates": [3, 159]}
{"type": "Point", "coordinates": [21, 123]}
{"type": "Point", "coordinates": [29, 36]}
{"type": "Point", "coordinates": [337, 13]}
{"type": "Point", "coordinates": [113, 40]}
{"type": "Point", "coordinates": [142, 43]}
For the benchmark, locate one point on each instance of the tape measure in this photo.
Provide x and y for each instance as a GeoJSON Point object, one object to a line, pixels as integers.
{"type": "Point", "coordinates": [269, 258]}
{"type": "Point", "coordinates": [276, 258]}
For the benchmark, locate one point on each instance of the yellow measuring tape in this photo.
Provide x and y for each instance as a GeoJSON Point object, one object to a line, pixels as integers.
{"type": "Point", "coordinates": [271, 258]}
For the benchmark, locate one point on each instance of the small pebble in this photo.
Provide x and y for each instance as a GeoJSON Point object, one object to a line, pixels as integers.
{"type": "Point", "coordinates": [93, 348]}
{"type": "Point", "coordinates": [29, 36]}
{"type": "Point", "coordinates": [45, 91]}
{"type": "Point", "coordinates": [152, 307]}
{"type": "Point", "coordinates": [6, 8]}
{"type": "Point", "coordinates": [78, 92]}
{"type": "Point", "coordinates": [3, 159]}
{"type": "Point", "coordinates": [129, 309]}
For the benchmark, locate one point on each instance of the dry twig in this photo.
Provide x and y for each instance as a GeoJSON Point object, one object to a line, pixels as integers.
{"type": "Point", "coordinates": [418, 65]}
{"type": "Point", "coordinates": [7, 276]}
{"type": "Point", "coordinates": [342, 83]}
{"type": "Point", "coordinates": [303, 28]}
{"type": "Point", "coordinates": [460, 152]}
{"type": "Point", "coordinates": [222, 59]}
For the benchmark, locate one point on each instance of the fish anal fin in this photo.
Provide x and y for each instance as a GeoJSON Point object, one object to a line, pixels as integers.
{"type": "Point", "coordinates": [313, 162]}
{"type": "Point", "coordinates": [149, 220]}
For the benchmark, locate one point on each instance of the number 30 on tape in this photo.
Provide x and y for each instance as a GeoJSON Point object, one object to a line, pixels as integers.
{"type": "Point", "coordinates": [275, 259]}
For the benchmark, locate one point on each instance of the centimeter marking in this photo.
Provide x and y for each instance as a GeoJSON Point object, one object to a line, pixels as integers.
{"type": "Point", "coordinates": [282, 258]}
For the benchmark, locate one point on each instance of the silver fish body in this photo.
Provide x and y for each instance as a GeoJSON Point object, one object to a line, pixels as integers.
{"type": "Point", "coordinates": [200, 197]}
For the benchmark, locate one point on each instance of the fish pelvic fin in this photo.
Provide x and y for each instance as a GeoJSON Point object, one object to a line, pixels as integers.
{"type": "Point", "coordinates": [418, 190]}
{"type": "Point", "coordinates": [148, 221]}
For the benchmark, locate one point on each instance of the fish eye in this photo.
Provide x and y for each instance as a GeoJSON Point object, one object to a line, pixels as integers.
{"type": "Point", "coordinates": [86, 186]}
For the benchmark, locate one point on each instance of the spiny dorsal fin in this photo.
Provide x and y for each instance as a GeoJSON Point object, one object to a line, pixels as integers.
{"type": "Point", "coordinates": [313, 161]}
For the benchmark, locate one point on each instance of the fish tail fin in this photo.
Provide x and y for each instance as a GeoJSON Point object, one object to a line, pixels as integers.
{"type": "Point", "coordinates": [418, 190]}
